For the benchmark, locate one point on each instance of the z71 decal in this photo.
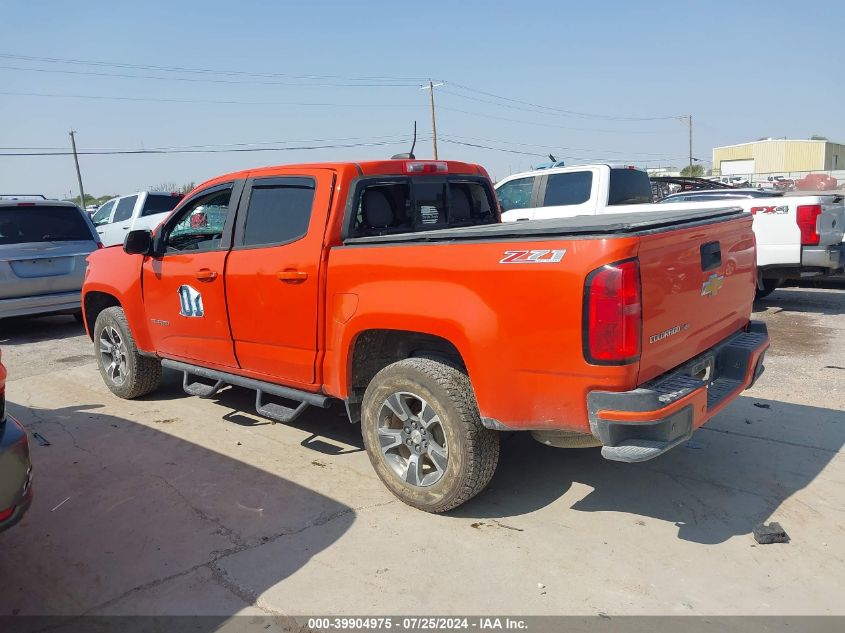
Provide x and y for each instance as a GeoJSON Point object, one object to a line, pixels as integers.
{"type": "Point", "coordinates": [533, 257]}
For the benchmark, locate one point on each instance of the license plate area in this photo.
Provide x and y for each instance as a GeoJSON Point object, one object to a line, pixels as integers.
{"type": "Point", "coordinates": [702, 369]}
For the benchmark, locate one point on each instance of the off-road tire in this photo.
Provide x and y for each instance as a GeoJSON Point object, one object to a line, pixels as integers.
{"type": "Point", "coordinates": [143, 373]}
{"type": "Point", "coordinates": [473, 450]}
{"type": "Point", "coordinates": [769, 286]}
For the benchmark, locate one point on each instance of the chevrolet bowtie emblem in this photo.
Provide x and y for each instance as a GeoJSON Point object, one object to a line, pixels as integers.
{"type": "Point", "coordinates": [712, 285]}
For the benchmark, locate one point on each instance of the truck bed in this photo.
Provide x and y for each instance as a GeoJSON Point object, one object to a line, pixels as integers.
{"type": "Point", "coordinates": [627, 224]}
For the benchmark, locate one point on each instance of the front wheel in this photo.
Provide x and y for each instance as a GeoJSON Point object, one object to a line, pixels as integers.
{"type": "Point", "coordinates": [125, 371]}
{"type": "Point", "coordinates": [424, 436]}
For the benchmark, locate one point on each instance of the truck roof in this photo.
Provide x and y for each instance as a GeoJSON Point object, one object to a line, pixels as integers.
{"type": "Point", "coordinates": [543, 171]}
{"type": "Point", "coordinates": [397, 167]}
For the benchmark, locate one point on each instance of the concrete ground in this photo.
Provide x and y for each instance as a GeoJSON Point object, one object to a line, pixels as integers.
{"type": "Point", "coordinates": [176, 505]}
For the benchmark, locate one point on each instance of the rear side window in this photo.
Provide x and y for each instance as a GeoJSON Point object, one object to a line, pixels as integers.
{"type": "Point", "coordinates": [160, 204]}
{"type": "Point", "coordinates": [124, 208]}
{"type": "Point", "coordinates": [515, 194]}
{"type": "Point", "coordinates": [278, 213]}
{"type": "Point", "coordinates": [21, 225]}
{"type": "Point", "coordinates": [629, 186]}
{"type": "Point", "coordinates": [569, 188]}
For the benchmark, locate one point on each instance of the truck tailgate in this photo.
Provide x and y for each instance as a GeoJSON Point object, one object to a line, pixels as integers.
{"type": "Point", "coordinates": [697, 288]}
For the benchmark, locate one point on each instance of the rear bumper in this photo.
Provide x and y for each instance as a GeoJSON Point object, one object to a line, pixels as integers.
{"type": "Point", "coordinates": [15, 473]}
{"type": "Point", "coordinates": [831, 257]}
{"type": "Point", "coordinates": [637, 425]}
{"type": "Point", "coordinates": [41, 304]}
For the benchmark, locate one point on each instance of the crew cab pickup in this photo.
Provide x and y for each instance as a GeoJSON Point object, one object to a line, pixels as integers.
{"type": "Point", "coordinates": [140, 210]}
{"type": "Point", "coordinates": [798, 236]}
{"type": "Point", "coordinates": [393, 286]}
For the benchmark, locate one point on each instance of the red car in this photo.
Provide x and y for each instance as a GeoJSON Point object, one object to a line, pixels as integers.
{"type": "Point", "coordinates": [15, 465]}
{"type": "Point", "coordinates": [816, 182]}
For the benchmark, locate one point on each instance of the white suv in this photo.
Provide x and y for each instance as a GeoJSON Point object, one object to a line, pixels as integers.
{"type": "Point", "coordinates": [141, 210]}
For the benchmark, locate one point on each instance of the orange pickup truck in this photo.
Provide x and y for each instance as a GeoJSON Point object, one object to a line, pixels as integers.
{"type": "Point", "coordinates": [394, 287]}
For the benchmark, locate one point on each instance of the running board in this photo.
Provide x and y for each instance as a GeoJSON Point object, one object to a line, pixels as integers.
{"type": "Point", "coordinates": [277, 412]}
{"type": "Point", "coordinates": [273, 411]}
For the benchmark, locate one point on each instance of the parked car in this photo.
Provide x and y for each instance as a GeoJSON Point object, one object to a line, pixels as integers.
{"type": "Point", "coordinates": [816, 182]}
{"type": "Point", "coordinates": [91, 209]}
{"type": "Point", "coordinates": [797, 236]}
{"type": "Point", "coordinates": [779, 183]}
{"type": "Point", "coordinates": [43, 249]}
{"type": "Point", "coordinates": [392, 286]}
{"type": "Point", "coordinates": [15, 464]}
{"type": "Point", "coordinates": [141, 210]}
{"type": "Point", "coordinates": [735, 181]}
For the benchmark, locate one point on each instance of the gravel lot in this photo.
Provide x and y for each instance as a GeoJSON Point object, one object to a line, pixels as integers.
{"type": "Point", "coordinates": [176, 505]}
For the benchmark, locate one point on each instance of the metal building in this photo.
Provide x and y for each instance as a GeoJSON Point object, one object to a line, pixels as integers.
{"type": "Point", "coordinates": [778, 156]}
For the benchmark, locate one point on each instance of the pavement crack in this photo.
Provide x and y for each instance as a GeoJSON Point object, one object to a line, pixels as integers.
{"type": "Point", "coordinates": [222, 529]}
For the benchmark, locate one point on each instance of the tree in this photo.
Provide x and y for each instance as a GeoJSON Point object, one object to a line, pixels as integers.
{"type": "Point", "coordinates": [172, 187]}
{"type": "Point", "coordinates": [697, 171]}
{"type": "Point", "coordinates": [816, 137]}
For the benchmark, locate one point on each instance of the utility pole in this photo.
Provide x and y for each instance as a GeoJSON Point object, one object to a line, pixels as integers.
{"type": "Point", "coordinates": [78, 173]}
{"type": "Point", "coordinates": [430, 87]}
{"type": "Point", "coordinates": [689, 116]}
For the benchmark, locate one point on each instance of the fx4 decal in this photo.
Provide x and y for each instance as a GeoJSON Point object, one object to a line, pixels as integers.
{"type": "Point", "coordinates": [533, 257]}
{"type": "Point", "coordinates": [191, 301]}
{"type": "Point", "coordinates": [779, 210]}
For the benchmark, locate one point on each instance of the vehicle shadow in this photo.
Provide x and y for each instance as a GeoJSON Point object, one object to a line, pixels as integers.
{"type": "Point", "coordinates": [331, 432]}
{"type": "Point", "coordinates": [804, 300]}
{"type": "Point", "coordinates": [733, 475]}
{"type": "Point", "coordinates": [20, 330]}
{"type": "Point", "coordinates": [128, 519]}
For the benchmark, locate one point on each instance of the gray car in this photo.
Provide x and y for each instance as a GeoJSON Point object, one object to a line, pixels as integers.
{"type": "Point", "coordinates": [43, 249]}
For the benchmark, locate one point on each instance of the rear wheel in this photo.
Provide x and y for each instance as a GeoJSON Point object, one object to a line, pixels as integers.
{"type": "Point", "coordinates": [769, 286]}
{"type": "Point", "coordinates": [424, 436]}
{"type": "Point", "coordinates": [125, 371]}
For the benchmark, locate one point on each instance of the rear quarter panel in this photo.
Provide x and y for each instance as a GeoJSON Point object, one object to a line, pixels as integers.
{"type": "Point", "coordinates": [517, 326]}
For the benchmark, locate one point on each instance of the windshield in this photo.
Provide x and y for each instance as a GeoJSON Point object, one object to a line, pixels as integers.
{"type": "Point", "coordinates": [36, 223]}
{"type": "Point", "coordinates": [160, 203]}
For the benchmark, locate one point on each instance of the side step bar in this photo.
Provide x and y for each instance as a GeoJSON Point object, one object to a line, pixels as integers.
{"type": "Point", "coordinates": [274, 411]}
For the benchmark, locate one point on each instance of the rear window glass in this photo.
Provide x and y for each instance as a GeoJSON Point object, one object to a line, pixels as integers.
{"type": "Point", "coordinates": [278, 213]}
{"type": "Point", "coordinates": [160, 204]}
{"type": "Point", "coordinates": [124, 208]}
{"type": "Point", "coordinates": [420, 204]}
{"type": "Point", "coordinates": [21, 225]}
{"type": "Point", "coordinates": [568, 188]}
{"type": "Point", "coordinates": [629, 186]}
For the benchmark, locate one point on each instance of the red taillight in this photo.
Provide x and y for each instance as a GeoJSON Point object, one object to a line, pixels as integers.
{"type": "Point", "coordinates": [808, 215]}
{"type": "Point", "coordinates": [613, 314]}
{"type": "Point", "coordinates": [26, 204]}
{"type": "Point", "coordinates": [426, 167]}
{"type": "Point", "coordinates": [5, 514]}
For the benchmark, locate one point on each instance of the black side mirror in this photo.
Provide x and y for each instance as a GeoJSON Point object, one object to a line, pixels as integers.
{"type": "Point", "coordinates": [138, 242]}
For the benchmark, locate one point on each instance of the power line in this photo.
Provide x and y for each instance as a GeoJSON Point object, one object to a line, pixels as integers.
{"type": "Point", "coordinates": [214, 101]}
{"type": "Point", "coordinates": [205, 151]}
{"type": "Point", "coordinates": [451, 141]}
{"type": "Point", "coordinates": [552, 146]}
{"type": "Point", "coordinates": [397, 137]}
{"type": "Point", "coordinates": [216, 81]}
{"type": "Point", "coordinates": [604, 117]}
{"type": "Point", "coordinates": [548, 125]}
{"type": "Point", "coordinates": [182, 69]}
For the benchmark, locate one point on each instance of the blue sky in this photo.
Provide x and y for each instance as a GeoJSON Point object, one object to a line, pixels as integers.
{"type": "Point", "coordinates": [744, 70]}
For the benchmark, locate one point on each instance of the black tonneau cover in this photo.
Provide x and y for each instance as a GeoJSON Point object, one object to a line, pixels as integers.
{"type": "Point", "coordinates": [578, 226]}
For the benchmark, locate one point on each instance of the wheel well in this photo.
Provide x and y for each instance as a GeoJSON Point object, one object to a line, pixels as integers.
{"type": "Point", "coordinates": [376, 349]}
{"type": "Point", "coordinates": [96, 302]}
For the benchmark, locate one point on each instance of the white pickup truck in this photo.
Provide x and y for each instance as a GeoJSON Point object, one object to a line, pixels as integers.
{"type": "Point", "coordinates": [140, 210]}
{"type": "Point", "coordinates": [797, 236]}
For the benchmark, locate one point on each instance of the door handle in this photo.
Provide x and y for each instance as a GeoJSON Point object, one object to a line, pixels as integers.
{"type": "Point", "coordinates": [204, 274]}
{"type": "Point", "coordinates": [292, 276]}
